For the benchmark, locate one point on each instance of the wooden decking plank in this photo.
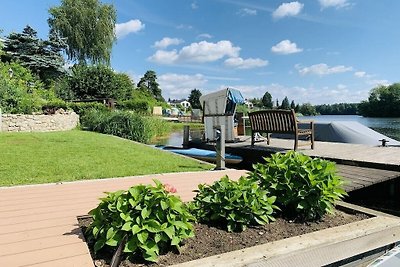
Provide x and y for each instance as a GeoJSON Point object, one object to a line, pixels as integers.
{"type": "Point", "coordinates": [45, 255]}
{"type": "Point", "coordinates": [73, 261]}
{"type": "Point", "coordinates": [6, 229]}
{"type": "Point", "coordinates": [35, 245]}
{"type": "Point", "coordinates": [39, 222]}
{"type": "Point", "coordinates": [37, 234]}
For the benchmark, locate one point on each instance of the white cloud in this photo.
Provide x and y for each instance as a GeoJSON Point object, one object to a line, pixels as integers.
{"type": "Point", "coordinates": [197, 52]}
{"type": "Point", "coordinates": [247, 12]}
{"type": "Point", "coordinates": [322, 69]}
{"type": "Point", "coordinates": [360, 74]}
{"type": "Point", "coordinates": [132, 26]}
{"type": "Point", "coordinates": [286, 47]}
{"type": "Point", "coordinates": [375, 83]}
{"type": "Point", "coordinates": [287, 10]}
{"type": "Point", "coordinates": [249, 63]}
{"type": "Point", "coordinates": [204, 36]}
{"type": "Point", "coordinates": [194, 5]}
{"type": "Point", "coordinates": [334, 3]}
{"type": "Point", "coordinates": [166, 41]}
{"type": "Point", "coordinates": [178, 85]}
{"type": "Point", "coordinates": [314, 95]}
{"type": "Point", "coordinates": [164, 57]}
{"type": "Point", "coordinates": [184, 27]}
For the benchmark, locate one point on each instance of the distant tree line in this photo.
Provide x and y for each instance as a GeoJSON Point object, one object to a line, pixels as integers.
{"type": "Point", "coordinates": [338, 109]}
{"type": "Point", "coordinates": [383, 101]}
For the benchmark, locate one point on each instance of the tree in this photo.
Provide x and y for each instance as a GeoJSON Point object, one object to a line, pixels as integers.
{"type": "Point", "coordinates": [383, 101]}
{"type": "Point", "coordinates": [267, 100]}
{"type": "Point", "coordinates": [285, 103]}
{"type": "Point", "coordinates": [99, 81]}
{"type": "Point", "coordinates": [149, 83]}
{"type": "Point", "coordinates": [88, 26]}
{"type": "Point", "coordinates": [194, 98]}
{"type": "Point", "coordinates": [307, 109]}
{"type": "Point", "coordinates": [292, 105]}
{"type": "Point", "coordinates": [42, 57]}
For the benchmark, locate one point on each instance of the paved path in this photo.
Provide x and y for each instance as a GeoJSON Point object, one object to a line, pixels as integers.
{"type": "Point", "coordinates": [38, 224]}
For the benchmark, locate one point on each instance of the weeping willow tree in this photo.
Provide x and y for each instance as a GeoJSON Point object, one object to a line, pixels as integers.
{"type": "Point", "coordinates": [88, 27]}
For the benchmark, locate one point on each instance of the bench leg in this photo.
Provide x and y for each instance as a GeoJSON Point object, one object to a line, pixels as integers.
{"type": "Point", "coordinates": [252, 138]}
{"type": "Point", "coordinates": [296, 142]}
{"type": "Point", "coordinates": [268, 138]}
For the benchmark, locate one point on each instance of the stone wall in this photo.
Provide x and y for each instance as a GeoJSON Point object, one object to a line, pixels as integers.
{"type": "Point", "coordinates": [62, 121]}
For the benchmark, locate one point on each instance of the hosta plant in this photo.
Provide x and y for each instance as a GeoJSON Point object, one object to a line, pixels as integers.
{"type": "Point", "coordinates": [233, 204]}
{"type": "Point", "coordinates": [149, 218]}
{"type": "Point", "coordinates": [306, 188]}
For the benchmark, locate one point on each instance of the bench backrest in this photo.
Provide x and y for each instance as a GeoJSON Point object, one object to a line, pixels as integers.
{"type": "Point", "coordinates": [273, 121]}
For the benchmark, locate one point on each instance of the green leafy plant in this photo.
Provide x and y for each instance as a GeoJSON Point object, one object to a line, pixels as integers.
{"type": "Point", "coordinates": [124, 124]}
{"type": "Point", "coordinates": [235, 204]}
{"type": "Point", "coordinates": [305, 188]}
{"type": "Point", "coordinates": [148, 217]}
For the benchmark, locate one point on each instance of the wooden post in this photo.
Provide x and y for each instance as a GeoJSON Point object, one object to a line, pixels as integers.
{"type": "Point", "coordinates": [186, 131]}
{"type": "Point", "coordinates": [220, 149]}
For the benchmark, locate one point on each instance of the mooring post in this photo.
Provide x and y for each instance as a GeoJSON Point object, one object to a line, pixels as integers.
{"type": "Point", "coordinates": [220, 147]}
{"type": "Point", "coordinates": [186, 136]}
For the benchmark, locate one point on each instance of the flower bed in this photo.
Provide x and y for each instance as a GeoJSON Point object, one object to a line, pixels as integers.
{"type": "Point", "coordinates": [209, 240]}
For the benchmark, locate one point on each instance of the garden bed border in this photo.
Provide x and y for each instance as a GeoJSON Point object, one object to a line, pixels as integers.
{"type": "Point", "coordinates": [335, 246]}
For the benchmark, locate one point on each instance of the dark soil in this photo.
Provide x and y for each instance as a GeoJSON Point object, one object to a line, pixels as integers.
{"type": "Point", "coordinates": [211, 241]}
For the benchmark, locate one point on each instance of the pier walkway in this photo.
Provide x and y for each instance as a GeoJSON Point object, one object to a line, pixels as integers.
{"type": "Point", "coordinates": [360, 165]}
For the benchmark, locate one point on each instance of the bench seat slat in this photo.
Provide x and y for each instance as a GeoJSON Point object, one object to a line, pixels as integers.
{"type": "Point", "coordinates": [278, 121]}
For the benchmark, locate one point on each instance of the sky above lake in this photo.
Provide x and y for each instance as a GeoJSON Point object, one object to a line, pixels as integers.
{"type": "Point", "coordinates": [317, 51]}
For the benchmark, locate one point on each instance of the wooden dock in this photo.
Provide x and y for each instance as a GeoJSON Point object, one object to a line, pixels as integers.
{"type": "Point", "coordinates": [38, 223]}
{"type": "Point", "coordinates": [360, 165]}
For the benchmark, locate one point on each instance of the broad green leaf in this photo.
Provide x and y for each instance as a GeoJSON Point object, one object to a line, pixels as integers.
{"type": "Point", "coordinates": [136, 229]}
{"type": "Point", "coordinates": [170, 231]}
{"type": "Point", "coordinates": [175, 241]}
{"type": "Point", "coordinates": [110, 233]}
{"type": "Point", "coordinates": [142, 236]}
{"type": "Point", "coordinates": [99, 244]}
{"type": "Point", "coordinates": [131, 245]}
{"type": "Point", "coordinates": [135, 192]}
{"type": "Point", "coordinates": [180, 224]}
{"type": "Point", "coordinates": [150, 256]}
{"type": "Point", "coordinates": [127, 226]}
{"type": "Point", "coordinates": [152, 226]}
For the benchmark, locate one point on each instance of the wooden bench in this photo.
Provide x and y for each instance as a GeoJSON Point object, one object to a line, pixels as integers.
{"type": "Point", "coordinates": [279, 121]}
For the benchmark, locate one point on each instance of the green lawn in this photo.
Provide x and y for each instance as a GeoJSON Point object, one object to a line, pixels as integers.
{"type": "Point", "coordinates": [33, 158]}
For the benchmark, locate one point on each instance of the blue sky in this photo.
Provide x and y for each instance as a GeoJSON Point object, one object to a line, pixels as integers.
{"type": "Point", "coordinates": [317, 51]}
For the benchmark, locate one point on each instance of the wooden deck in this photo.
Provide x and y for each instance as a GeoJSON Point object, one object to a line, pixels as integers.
{"type": "Point", "coordinates": [360, 165]}
{"type": "Point", "coordinates": [38, 224]}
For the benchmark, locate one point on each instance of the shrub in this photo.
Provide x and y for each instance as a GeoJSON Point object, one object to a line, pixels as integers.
{"type": "Point", "coordinates": [124, 124]}
{"type": "Point", "coordinates": [149, 217]}
{"type": "Point", "coordinates": [21, 93]}
{"type": "Point", "coordinates": [140, 106]}
{"type": "Point", "coordinates": [88, 82]}
{"type": "Point", "coordinates": [234, 204]}
{"type": "Point", "coordinates": [305, 188]}
{"type": "Point", "coordinates": [50, 107]}
{"type": "Point", "coordinates": [81, 107]}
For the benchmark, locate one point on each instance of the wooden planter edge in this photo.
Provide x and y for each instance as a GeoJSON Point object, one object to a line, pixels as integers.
{"type": "Point", "coordinates": [318, 248]}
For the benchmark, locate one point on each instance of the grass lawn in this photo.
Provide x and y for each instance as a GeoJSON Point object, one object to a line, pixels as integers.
{"type": "Point", "coordinates": [33, 158]}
